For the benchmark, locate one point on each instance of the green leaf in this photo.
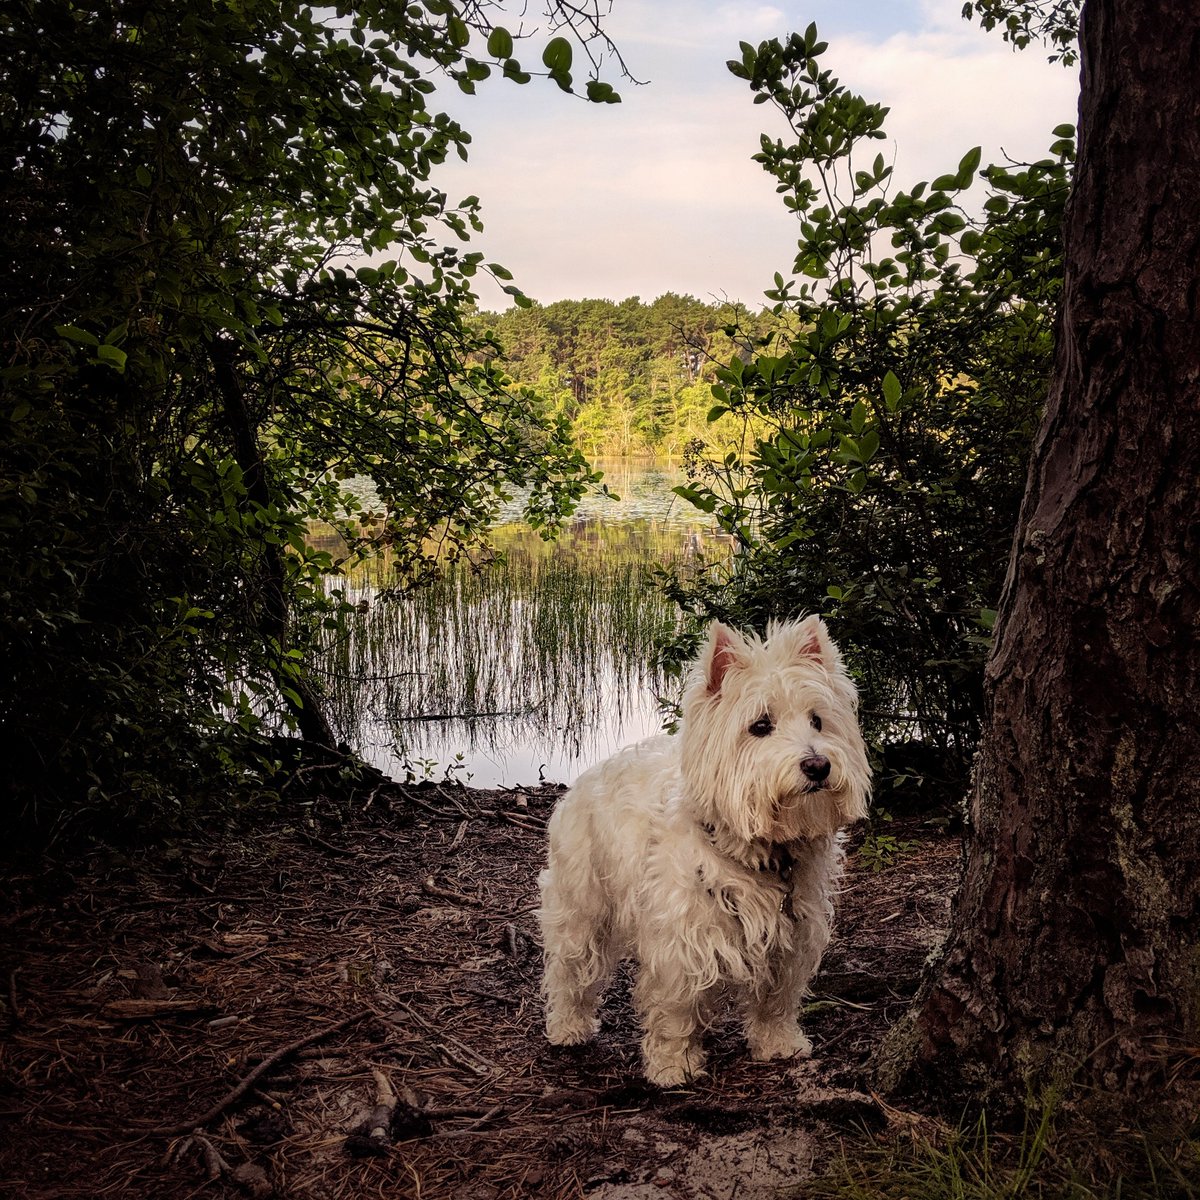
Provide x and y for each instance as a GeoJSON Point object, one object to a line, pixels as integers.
{"type": "Point", "coordinates": [704, 501]}
{"type": "Point", "coordinates": [892, 391]}
{"type": "Point", "coordinates": [113, 356]}
{"type": "Point", "coordinates": [500, 43]}
{"type": "Point", "coordinates": [512, 70]}
{"type": "Point", "coordinates": [74, 334]}
{"type": "Point", "coordinates": [947, 222]}
{"type": "Point", "coordinates": [967, 167]}
{"type": "Point", "coordinates": [849, 449]}
{"type": "Point", "coordinates": [601, 93]}
{"type": "Point", "coordinates": [558, 55]}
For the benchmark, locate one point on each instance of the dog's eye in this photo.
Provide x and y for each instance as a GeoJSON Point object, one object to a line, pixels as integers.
{"type": "Point", "coordinates": [763, 726]}
{"type": "Point", "coordinates": [815, 721]}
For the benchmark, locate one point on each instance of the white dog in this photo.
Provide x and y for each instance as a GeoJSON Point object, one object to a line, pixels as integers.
{"type": "Point", "coordinates": [711, 856]}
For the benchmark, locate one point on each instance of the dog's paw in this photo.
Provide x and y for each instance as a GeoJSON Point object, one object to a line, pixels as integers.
{"type": "Point", "coordinates": [571, 1030]}
{"type": "Point", "coordinates": [674, 1070]}
{"type": "Point", "coordinates": [778, 1041]}
{"type": "Point", "coordinates": [669, 1075]}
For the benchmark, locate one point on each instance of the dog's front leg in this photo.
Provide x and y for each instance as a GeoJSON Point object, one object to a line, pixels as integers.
{"type": "Point", "coordinates": [772, 1019]}
{"type": "Point", "coordinates": [773, 1006]}
{"type": "Point", "coordinates": [671, 1024]}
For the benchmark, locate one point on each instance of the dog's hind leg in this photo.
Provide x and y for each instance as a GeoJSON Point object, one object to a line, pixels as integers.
{"type": "Point", "coordinates": [580, 956]}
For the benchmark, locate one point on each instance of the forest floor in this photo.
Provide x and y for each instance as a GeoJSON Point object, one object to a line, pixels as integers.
{"type": "Point", "coordinates": [231, 1016]}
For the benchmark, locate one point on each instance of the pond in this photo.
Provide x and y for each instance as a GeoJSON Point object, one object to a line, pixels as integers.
{"type": "Point", "coordinates": [531, 668]}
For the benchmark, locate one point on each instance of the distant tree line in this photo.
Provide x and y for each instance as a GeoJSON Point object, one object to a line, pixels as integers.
{"type": "Point", "coordinates": [631, 378]}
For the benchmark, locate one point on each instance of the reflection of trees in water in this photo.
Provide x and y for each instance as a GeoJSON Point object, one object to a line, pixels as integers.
{"type": "Point", "coordinates": [546, 656]}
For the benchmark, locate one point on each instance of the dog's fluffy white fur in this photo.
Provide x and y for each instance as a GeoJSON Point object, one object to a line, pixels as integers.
{"type": "Point", "coordinates": [712, 855]}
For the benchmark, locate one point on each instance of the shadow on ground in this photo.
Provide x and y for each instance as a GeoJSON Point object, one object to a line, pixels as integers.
{"type": "Point", "coordinates": [347, 1006]}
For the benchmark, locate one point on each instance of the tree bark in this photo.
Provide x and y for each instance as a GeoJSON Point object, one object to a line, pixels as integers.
{"type": "Point", "coordinates": [1074, 952]}
{"type": "Point", "coordinates": [272, 615]}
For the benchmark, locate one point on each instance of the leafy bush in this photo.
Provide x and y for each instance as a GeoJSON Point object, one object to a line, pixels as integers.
{"type": "Point", "coordinates": [898, 420]}
{"type": "Point", "coordinates": [193, 363]}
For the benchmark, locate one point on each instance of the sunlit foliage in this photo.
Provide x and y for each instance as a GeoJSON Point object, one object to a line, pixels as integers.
{"type": "Point", "coordinates": [885, 490]}
{"type": "Point", "coordinates": [197, 350]}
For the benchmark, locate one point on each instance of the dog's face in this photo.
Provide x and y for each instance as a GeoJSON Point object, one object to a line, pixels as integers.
{"type": "Point", "coordinates": [771, 744]}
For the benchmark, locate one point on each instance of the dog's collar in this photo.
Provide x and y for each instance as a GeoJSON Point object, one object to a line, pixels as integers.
{"type": "Point", "coordinates": [773, 858]}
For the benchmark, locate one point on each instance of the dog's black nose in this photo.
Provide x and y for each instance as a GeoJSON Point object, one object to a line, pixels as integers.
{"type": "Point", "coordinates": [816, 768]}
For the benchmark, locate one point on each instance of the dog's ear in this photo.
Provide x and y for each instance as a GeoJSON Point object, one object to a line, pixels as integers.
{"type": "Point", "coordinates": [719, 654]}
{"type": "Point", "coordinates": [810, 640]}
{"type": "Point", "coordinates": [815, 642]}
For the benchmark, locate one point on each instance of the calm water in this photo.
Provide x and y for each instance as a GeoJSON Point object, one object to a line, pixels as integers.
{"type": "Point", "coordinates": [531, 668]}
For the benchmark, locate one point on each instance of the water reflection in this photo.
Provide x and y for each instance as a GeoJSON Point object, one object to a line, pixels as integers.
{"type": "Point", "coordinates": [533, 667]}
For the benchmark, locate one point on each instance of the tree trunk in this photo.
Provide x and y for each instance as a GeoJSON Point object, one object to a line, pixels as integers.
{"type": "Point", "coordinates": [272, 608]}
{"type": "Point", "coordinates": [1074, 951]}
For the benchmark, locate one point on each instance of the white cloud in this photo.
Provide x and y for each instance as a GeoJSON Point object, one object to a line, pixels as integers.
{"type": "Point", "coordinates": [682, 24]}
{"type": "Point", "coordinates": [950, 89]}
{"type": "Point", "coordinates": [659, 193]}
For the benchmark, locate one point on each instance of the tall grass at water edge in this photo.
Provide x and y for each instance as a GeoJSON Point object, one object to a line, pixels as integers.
{"type": "Point", "coordinates": [549, 651]}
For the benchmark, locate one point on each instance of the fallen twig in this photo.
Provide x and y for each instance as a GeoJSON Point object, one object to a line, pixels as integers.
{"type": "Point", "coordinates": [456, 1056]}
{"type": "Point", "coordinates": [15, 1013]}
{"type": "Point", "coordinates": [232, 1097]}
{"type": "Point", "coordinates": [394, 1117]}
{"type": "Point", "coordinates": [484, 1064]}
{"type": "Point", "coordinates": [328, 847]}
{"type": "Point", "coordinates": [453, 800]}
{"type": "Point", "coordinates": [248, 1176]}
{"type": "Point", "coordinates": [380, 1121]}
{"type": "Point", "coordinates": [214, 1163]}
{"type": "Point", "coordinates": [374, 1135]}
{"type": "Point", "coordinates": [459, 834]}
{"type": "Point", "coordinates": [529, 824]}
{"type": "Point", "coordinates": [495, 1110]}
{"type": "Point", "coordinates": [429, 808]}
{"type": "Point", "coordinates": [132, 1008]}
{"type": "Point", "coordinates": [432, 889]}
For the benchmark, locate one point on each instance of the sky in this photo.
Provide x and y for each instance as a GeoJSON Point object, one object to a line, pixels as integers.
{"type": "Point", "coordinates": [659, 193]}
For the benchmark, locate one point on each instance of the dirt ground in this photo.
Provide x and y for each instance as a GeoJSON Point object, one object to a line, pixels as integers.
{"type": "Point", "coordinates": [346, 1005]}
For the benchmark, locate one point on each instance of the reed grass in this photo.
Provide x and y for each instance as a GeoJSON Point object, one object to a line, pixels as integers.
{"type": "Point", "coordinates": [549, 644]}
